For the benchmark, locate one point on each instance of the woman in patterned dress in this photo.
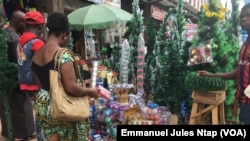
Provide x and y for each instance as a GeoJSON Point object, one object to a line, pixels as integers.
{"type": "Point", "coordinates": [58, 36]}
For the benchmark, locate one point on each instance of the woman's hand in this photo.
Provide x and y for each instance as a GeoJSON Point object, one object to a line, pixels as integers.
{"type": "Point", "coordinates": [94, 92]}
{"type": "Point", "coordinates": [87, 81]}
{"type": "Point", "coordinates": [205, 73]}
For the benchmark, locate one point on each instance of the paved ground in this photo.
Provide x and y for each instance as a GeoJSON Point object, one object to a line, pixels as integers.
{"type": "Point", "coordinates": [5, 139]}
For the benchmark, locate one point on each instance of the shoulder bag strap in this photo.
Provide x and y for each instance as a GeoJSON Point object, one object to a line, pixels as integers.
{"type": "Point", "coordinates": [77, 70]}
{"type": "Point", "coordinates": [58, 58]}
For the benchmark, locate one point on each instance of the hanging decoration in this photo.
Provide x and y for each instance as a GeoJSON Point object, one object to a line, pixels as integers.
{"type": "Point", "coordinates": [124, 61]}
{"type": "Point", "coordinates": [140, 64]}
{"type": "Point", "coordinates": [90, 44]}
{"type": "Point", "coordinates": [220, 14]}
{"type": "Point", "coordinates": [201, 54]}
{"type": "Point", "coordinates": [94, 74]}
{"type": "Point", "coordinates": [136, 28]}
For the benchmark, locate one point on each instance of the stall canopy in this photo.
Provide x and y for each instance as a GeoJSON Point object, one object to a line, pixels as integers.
{"type": "Point", "coordinates": [97, 16]}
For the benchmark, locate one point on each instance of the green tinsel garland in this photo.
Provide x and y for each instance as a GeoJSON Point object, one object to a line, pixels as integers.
{"type": "Point", "coordinates": [205, 84]}
{"type": "Point", "coordinates": [8, 75]}
{"type": "Point", "coordinates": [7, 115]}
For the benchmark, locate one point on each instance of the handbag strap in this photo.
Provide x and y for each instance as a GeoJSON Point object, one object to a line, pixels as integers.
{"type": "Point", "coordinates": [57, 62]}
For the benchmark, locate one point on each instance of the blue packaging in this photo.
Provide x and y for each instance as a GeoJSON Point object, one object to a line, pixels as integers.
{"type": "Point", "coordinates": [92, 113]}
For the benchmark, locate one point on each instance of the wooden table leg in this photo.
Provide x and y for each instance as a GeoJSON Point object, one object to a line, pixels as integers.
{"type": "Point", "coordinates": [192, 120]}
{"type": "Point", "coordinates": [222, 113]}
{"type": "Point", "coordinates": [199, 120]}
{"type": "Point", "coordinates": [215, 116]}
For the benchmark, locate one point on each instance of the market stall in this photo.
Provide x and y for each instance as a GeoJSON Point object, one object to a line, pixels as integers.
{"type": "Point", "coordinates": [99, 24]}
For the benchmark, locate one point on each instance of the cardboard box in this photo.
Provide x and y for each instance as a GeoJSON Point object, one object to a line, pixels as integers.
{"type": "Point", "coordinates": [130, 112]}
{"type": "Point", "coordinates": [173, 120]}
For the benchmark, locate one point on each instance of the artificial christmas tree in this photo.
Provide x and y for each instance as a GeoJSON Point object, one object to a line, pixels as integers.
{"type": "Point", "coordinates": [232, 33]}
{"type": "Point", "coordinates": [217, 28]}
{"type": "Point", "coordinates": [159, 70]}
{"type": "Point", "coordinates": [209, 20]}
{"type": "Point", "coordinates": [149, 61]}
{"type": "Point", "coordinates": [170, 72]}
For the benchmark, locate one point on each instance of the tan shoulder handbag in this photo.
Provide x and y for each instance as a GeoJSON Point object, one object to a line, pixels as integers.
{"type": "Point", "coordinates": [65, 107]}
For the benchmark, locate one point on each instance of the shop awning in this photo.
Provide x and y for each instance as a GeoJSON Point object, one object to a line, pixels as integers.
{"type": "Point", "coordinates": [71, 5]}
{"type": "Point", "coordinates": [166, 3]}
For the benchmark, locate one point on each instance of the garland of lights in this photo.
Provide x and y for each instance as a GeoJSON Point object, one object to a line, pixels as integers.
{"type": "Point", "coordinates": [220, 15]}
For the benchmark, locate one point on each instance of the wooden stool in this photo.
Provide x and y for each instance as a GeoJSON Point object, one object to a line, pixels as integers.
{"type": "Point", "coordinates": [205, 103]}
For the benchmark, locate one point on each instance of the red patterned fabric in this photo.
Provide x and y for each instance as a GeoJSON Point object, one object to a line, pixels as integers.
{"type": "Point", "coordinates": [243, 73]}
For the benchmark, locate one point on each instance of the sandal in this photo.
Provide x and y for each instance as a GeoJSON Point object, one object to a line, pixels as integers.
{"type": "Point", "coordinates": [18, 139]}
{"type": "Point", "coordinates": [27, 138]}
{"type": "Point", "coordinates": [31, 137]}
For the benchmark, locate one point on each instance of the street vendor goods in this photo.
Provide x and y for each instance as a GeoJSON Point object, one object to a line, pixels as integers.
{"type": "Point", "coordinates": [63, 106]}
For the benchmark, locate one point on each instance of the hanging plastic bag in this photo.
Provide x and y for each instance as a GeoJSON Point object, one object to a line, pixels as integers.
{"type": "Point", "coordinates": [200, 54]}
